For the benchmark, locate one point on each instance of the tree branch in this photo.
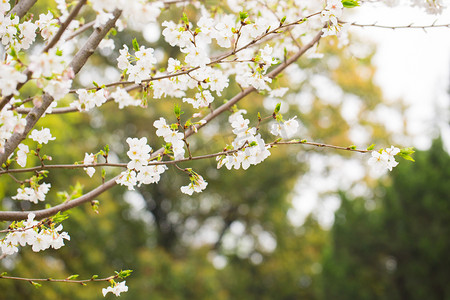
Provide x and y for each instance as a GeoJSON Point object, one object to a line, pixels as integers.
{"type": "Point", "coordinates": [64, 25]}
{"type": "Point", "coordinates": [77, 63]}
{"type": "Point", "coordinates": [21, 8]}
{"type": "Point", "coordinates": [45, 213]}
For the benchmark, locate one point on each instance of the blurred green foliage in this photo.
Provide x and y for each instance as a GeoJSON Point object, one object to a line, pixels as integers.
{"type": "Point", "coordinates": [398, 250]}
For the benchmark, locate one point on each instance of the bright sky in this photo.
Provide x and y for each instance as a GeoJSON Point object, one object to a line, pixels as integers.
{"type": "Point", "coordinates": [412, 65]}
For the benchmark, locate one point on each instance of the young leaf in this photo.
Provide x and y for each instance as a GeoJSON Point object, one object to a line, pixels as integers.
{"type": "Point", "coordinates": [185, 19]}
{"type": "Point", "coordinates": [406, 153]}
{"type": "Point", "coordinates": [277, 108]}
{"type": "Point", "coordinates": [350, 3]}
{"type": "Point", "coordinates": [135, 45]}
{"type": "Point", "coordinates": [72, 277]}
{"type": "Point", "coordinates": [123, 273]}
{"type": "Point", "coordinates": [243, 15]}
{"type": "Point", "coordinates": [371, 147]}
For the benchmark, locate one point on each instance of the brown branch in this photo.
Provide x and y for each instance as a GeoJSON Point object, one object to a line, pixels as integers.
{"type": "Point", "coordinates": [66, 280]}
{"type": "Point", "coordinates": [73, 13]}
{"type": "Point", "coordinates": [77, 63]}
{"type": "Point", "coordinates": [410, 26]}
{"type": "Point", "coordinates": [80, 30]}
{"type": "Point", "coordinates": [45, 213]}
{"type": "Point", "coordinates": [21, 8]}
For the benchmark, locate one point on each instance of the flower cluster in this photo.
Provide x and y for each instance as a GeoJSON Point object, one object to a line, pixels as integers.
{"type": "Point", "coordinates": [330, 16]}
{"type": "Point", "coordinates": [124, 99]}
{"type": "Point", "coordinates": [174, 137]}
{"type": "Point", "coordinates": [89, 99]}
{"type": "Point", "coordinates": [35, 234]}
{"type": "Point", "coordinates": [89, 159]}
{"type": "Point", "coordinates": [138, 169]}
{"type": "Point", "coordinates": [22, 155]}
{"type": "Point", "coordinates": [35, 193]}
{"type": "Point", "coordinates": [9, 78]}
{"type": "Point", "coordinates": [285, 129]}
{"type": "Point", "coordinates": [10, 122]}
{"type": "Point", "coordinates": [144, 63]}
{"type": "Point", "coordinates": [197, 184]}
{"type": "Point", "coordinates": [250, 147]}
{"type": "Point", "coordinates": [42, 136]}
{"type": "Point", "coordinates": [384, 159]}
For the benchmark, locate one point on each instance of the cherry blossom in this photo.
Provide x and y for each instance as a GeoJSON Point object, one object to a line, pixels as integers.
{"type": "Point", "coordinates": [41, 136]}
{"type": "Point", "coordinates": [116, 289]}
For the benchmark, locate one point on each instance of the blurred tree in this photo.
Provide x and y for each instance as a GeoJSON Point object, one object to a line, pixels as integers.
{"type": "Point", "coordinates": [400, 250]}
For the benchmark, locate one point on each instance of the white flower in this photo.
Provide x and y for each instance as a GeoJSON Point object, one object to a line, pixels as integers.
{"type": "Point", "coordinates": [22, 155]}
{"type": "Point", "coordinates": [88, 160]}
{"type": "Point", "coordinates": [139, 153]}
{"type": "Point", "coordinates": [41, 241]}
{"type": "Point", "coordinates": [198, 184]}
{"type": "Point", "coordinates": [287, 129]}
{"type": "Point", "coordinates": [42, 136]}
{"type": "Point", "coordinates": [150, 174]}
{"type": "Point", "coordinates": [162, 128]}
{"type": "Point", "coordinates": [290, 128]}
{"type": "Point", "coordinates": [202, 99]}
{"type": "Point", "coordinates": [124, 99]}
{"type": "Point", "coordinates": [127, 178]}
{"type": "Point", "coordinates": [57, 239]}
{"type": "Point", "coordinates": [277, 93]}
{"type": "Point", "coordinates": [196, 56]}
{"type": "Point", "coordinates": [385, 159]}
{"type": "Point", "coordinates": [122, 60]}
{"type": "Point", "coordinates": [33, 194]}
{"type": "Point", "coordinates": [58, 88]}
{"type": "Point", "coordinates": [8, 248]}
{"type": "Point", "coordinates": [116, 289]}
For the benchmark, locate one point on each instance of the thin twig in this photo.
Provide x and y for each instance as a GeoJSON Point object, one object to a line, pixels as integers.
{"type": "Point", "coordinates": [66, 280]}
{"type": "Point", "coordinates": [410, 26]}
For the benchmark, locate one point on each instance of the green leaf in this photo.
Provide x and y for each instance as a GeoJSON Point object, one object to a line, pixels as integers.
{"type": "Point", "coordinates": [277, 108]}
{"type": "Point", "coordinates": [123, 273]}
{"type": "Point", "coordinates": [371, 147]}
{"type": "Point", "coordinates": [13, 52]}
{"type": "Point", "coordinates": [283, 20]}
{"type": "Point", "coordinates": [185, 19]}
{"type": "Point", "coordinates": [177, 110]}
{"type": "Point", "coordinates": [72, 277]}
{"type": "Point", "coordinates": [36, 285]}
{"type": "Point", "coordinates": [406, 153]}
{"type": "Point", "coordinates": [353, 147]}
{"type": "Point", "coordinates": [135, 45]}
{"type": "Point", "coordinates": [3, 274]}
{"type": "Point", "coordinates": [94, 277]}
{"type": "Point", "coordinates": [303, 141]}
{"type": "Point", "coordinates": [350, 3]}
{"type": "Point", "coordinates": [59, 217]}
{"type": "Point", "coordinates": [106, 148]}
{"type": "Point", "coordinates": [243, 15]}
